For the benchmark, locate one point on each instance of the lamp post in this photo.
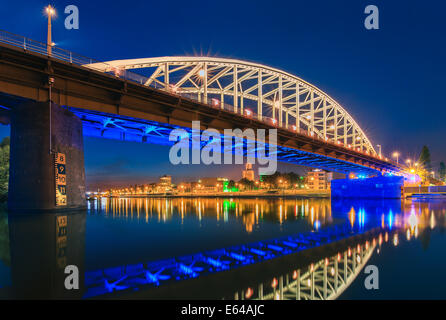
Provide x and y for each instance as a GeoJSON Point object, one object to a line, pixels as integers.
{"type": "Point", "coordinates": [50, 12]}
{"type": "Point", "coordinates": [396, 155]}
{"type": "Point", "coordinates": [379, 146]}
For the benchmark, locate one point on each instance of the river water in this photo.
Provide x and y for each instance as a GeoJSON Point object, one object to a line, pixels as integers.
{"type": "Point", "coordinates": [138, 232]}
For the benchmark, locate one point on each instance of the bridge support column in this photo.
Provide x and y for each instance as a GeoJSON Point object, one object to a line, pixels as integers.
{"type": "Point", "coordinates": [368, 188]}
{"type": "Point", "coordinates": [32, 172]}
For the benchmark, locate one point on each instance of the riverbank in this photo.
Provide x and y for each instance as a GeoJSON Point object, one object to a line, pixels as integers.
{"type": "Point", "coordinates": [279, 194]}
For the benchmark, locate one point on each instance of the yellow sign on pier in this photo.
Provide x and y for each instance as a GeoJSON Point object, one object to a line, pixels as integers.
{"type": "Point", "coordinates": [61, 179]}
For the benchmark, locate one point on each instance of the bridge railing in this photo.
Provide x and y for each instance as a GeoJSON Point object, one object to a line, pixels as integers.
{"type": "Point", "coordinates": [425, 189]}
{"type": "Point", "coordinates": [66, 55]}
{"type": "Point", "coordinates": [80, 60]}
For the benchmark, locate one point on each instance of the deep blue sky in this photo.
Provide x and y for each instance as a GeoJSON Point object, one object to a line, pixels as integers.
{"type": "Point", "coordinates": [390, 80]}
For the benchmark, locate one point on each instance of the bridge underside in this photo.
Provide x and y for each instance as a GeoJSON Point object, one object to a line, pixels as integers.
{"type": "Point", "coordinates": [118, 127]}
{"type": "Point", "coordinates": [108, 126]}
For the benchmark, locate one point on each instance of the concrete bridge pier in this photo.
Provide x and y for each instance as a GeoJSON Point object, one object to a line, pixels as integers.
{"type": "Point", "coordinates": [368, 188]}
{"type": "Point", "coordinates": [32, 172]}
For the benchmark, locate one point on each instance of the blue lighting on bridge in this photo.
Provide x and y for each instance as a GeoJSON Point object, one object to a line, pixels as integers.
{"type": "Point", "coordinates": [97, 124]}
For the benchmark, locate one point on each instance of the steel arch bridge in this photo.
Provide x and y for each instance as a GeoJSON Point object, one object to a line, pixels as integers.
{"type": "Point", "coordinates": [250, 89]}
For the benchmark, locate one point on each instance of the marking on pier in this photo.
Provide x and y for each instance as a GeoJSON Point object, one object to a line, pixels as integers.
{"type": "Point", "coordinates": [61, 179]}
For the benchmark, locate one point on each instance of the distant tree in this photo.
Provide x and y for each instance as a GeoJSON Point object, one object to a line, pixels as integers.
{"type": "Point", "coordinates": [5, 256]}
{"type": "Point", "coordinates": [272, 180]}
{"type": "Point", "coordinates": [247, 184]}
{"type": "Point", "coordinates": [292, 178]}
{"type": "Point", "coordinates": [4, 168]}
{"type": "Point", "coordinates": [442, 171]}
{"type": "Point", "coordinates": [425, 158]}
{"type": "Point", "coordinates": [5, 142]}
{"type": "Point", "coordinates": [231, 184]}
{"type": "Point", "coordinates": [289, 178]}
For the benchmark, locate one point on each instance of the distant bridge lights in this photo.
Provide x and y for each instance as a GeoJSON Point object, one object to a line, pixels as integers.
{"type": "Point", "coordinates": [215, 102]}
{"type": "Point", "coordinates": [202, 73]}
{"type": "Point", "coordinates": [173, 88]}
{"type": "Point", "coordinates": [274, 283]}
{"type": "Point", "coordinates": [249, 293]}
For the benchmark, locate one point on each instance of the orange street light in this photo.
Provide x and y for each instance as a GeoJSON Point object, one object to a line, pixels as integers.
{"type": "Point", "coordinates": [50, 12]}
{"type": "Point", "coordinates": [396, 155]}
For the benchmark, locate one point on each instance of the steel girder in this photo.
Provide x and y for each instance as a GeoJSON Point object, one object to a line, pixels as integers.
{"type": "Point", "coordinates": [253, 90]}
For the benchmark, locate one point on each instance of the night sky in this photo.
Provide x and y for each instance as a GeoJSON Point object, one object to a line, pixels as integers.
{"type": "Point", "coordinates": [390, 80]}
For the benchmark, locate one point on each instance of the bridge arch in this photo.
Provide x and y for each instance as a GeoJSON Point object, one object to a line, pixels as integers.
{"type": "Point", "coordinates": [254, 90]}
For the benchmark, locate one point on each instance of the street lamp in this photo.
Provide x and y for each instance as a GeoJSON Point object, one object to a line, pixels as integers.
{"type": "Point", "coordinates": [50, 12]}
{"type": "Point", "coordinates": [396, 155]}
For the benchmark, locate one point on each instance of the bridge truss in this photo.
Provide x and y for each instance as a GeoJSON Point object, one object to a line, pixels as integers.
{"type": "Point", "coordinates": [253, 90]}
{"type": "Point", "coordinates": [326, 279]}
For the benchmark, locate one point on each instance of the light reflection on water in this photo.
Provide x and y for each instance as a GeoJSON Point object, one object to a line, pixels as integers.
{"type": "Point", "coordinates": [117, 232]}
{"type": "Point", "coordinates": [250, 212]}
{"type": "Point", "coordinates": [182, 226]}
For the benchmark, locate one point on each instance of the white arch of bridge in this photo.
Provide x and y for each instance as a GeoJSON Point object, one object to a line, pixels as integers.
{"type": "Point", "coordinates": [253, 90]}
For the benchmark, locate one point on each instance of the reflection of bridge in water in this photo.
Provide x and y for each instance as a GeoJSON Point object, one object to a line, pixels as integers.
{"type": "Point", "coordinates": [317, 264]}
{"type": "Point", "coordinates": [324, 280]}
